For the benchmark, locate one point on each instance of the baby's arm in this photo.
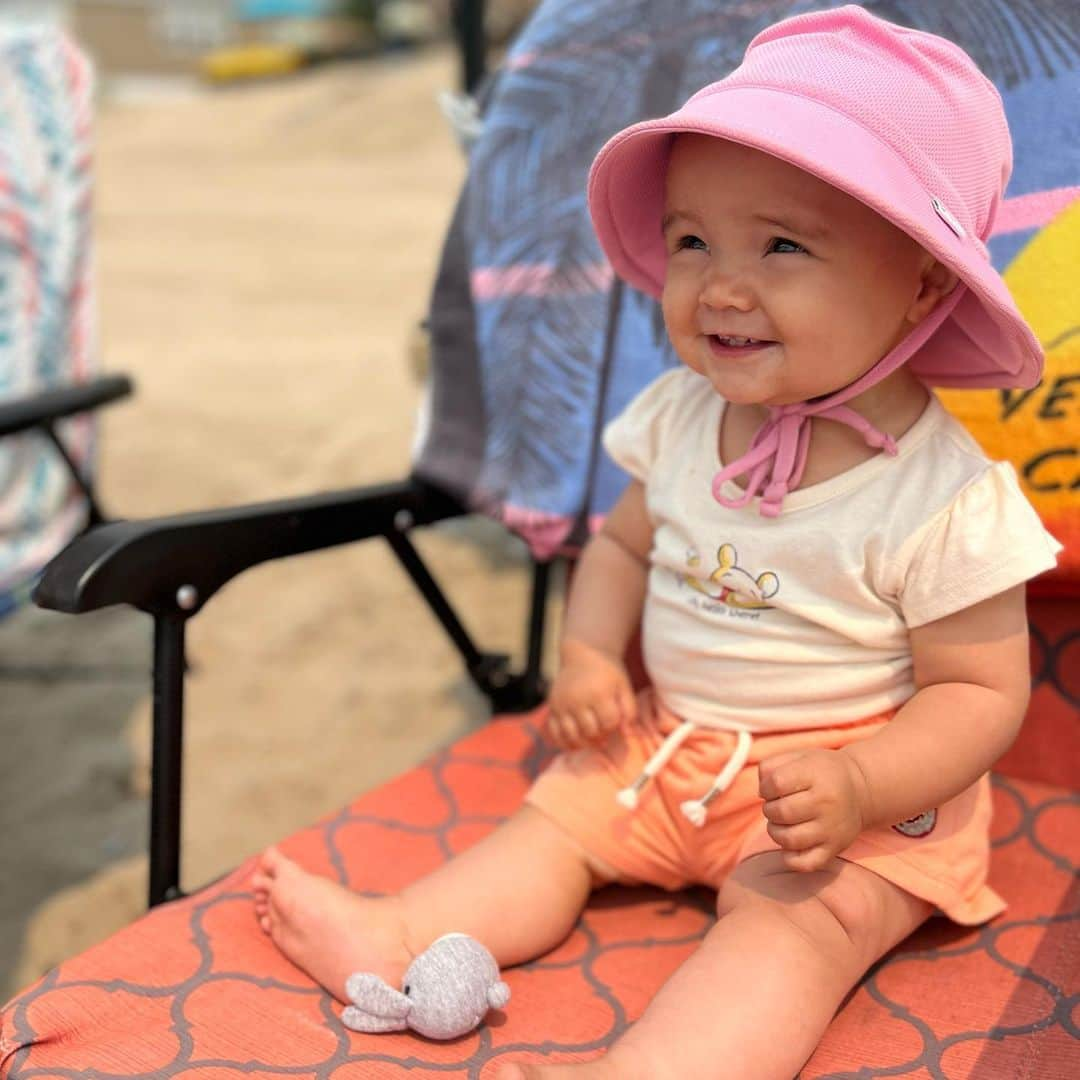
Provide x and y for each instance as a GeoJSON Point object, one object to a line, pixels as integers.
{"type": "Point", "coordinates": [972, 679]}
{"type": "Point", "coordinates": [592, 693]}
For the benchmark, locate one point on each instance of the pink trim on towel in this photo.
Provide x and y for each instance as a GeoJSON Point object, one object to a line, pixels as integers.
{"type": "Point", "coordinates": [544, 533]}
{"type": "Point", "coordinates": [539, 279]}
{"type": "Point", "coordinates": [580, 51]}
{"type": "Point", "coordinates": [522, 60]}
{"type": "Point", "coordinates": [1032, 210]}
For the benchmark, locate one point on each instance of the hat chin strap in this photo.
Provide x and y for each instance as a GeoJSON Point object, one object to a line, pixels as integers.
{"type": "Point", "coordinates": [776, 457]}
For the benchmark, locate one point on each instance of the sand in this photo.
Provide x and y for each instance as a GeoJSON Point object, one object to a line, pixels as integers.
{"type": "Point", "coordinates": [264, 255]}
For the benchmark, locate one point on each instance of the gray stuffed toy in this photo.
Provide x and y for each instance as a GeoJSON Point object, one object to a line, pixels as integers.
{"type": "Point", "coordinates": [446, 992]}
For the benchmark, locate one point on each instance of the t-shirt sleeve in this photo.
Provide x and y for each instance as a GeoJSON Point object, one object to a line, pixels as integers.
{"type": "Point", "coordinates": [633, 437]}
{"type": "Point", "coordinates": [987, 540]}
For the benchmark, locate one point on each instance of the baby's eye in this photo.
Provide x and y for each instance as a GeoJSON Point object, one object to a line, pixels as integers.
{"type": "Point", "coordinates": [783, 246]}
{"type": "Point", "coordinates": [690, 243]}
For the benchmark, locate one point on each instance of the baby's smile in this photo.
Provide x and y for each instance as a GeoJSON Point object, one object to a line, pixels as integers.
{"type": "Point", "coordinates": [722, 345]}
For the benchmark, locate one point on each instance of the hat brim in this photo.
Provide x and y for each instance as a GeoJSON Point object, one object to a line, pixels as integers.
{"type": "Point", "coordinates": [984, 343]}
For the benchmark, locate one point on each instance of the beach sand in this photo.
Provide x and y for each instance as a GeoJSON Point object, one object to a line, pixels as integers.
{"type": "Point", "coordinates": [264, 256]}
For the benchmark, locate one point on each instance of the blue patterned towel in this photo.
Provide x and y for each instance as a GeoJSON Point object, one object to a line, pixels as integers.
{"type": "Point", "coordinates": [535, 346]}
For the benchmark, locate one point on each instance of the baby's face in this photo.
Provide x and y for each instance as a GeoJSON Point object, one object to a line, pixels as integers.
{"type": "Point", "coordinates": [759, 249]}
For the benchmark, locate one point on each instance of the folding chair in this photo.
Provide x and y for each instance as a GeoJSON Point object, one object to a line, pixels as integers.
{"type": "Point", "coordinates": [534, 346]}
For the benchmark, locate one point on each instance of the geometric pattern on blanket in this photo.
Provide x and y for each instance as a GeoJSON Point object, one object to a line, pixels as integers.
{"type": "Point", "coordinates": [194, 991]}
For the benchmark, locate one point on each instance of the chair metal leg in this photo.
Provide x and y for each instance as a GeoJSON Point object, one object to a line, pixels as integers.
{"type": "Point", "coordinates": [470, 28]}
{"type": "Point", "coordinates": [506, 690]}
{"type": "Point", "coordinates": [535, 687]}
{"type": "Point", "coordinates": [166, 770]}
{"type": "Point", "coordinates": [85, 485]}
{"type": "Point", "coordinates": [429, 589]}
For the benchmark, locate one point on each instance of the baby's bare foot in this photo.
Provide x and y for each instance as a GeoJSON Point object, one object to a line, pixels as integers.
{"type": "Point", "coordinates": [325, 929]}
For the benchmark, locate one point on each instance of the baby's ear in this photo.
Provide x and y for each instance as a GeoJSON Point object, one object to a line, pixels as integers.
{"type": "Point", "coordinates": [937, 281]}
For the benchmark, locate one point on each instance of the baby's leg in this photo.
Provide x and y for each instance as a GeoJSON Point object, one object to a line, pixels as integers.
{"type": "Point", "coordinates": [519, 891]}
{"type": "Point", "coordinates": [754, 1000]}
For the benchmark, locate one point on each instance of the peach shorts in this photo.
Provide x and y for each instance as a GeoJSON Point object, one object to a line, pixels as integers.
{"type": "Point", "coordinates": [941, 856]}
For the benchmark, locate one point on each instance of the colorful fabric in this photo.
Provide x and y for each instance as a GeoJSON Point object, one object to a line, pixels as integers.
{"type": "Point", "coordinates": [941, 856]}
{"type": "Point", "coordinates": [535, 348]}
{"type": "Point", "coordinates": [1039, 430]}
{"type": "Point", "coordinates": [195, 990]}
{"type": "Point", "coordinates": [46, 302]}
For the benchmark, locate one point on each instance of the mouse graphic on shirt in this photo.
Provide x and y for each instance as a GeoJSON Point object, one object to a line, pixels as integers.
{"type": "Point", "coordinates": [732, 585]}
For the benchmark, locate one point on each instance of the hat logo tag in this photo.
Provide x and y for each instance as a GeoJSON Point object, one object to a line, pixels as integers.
{"type": "Point", "coordinates": [943, 212]}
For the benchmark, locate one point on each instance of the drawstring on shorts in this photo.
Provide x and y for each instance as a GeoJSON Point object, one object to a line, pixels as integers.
{"type": "Point", "coordinates": [694, 810]}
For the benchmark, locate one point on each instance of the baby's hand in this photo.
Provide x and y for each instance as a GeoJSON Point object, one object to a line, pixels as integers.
{"type": "Point", "coordinates": [815, 803]}
{"type": "Point", "coordinates": [591, 696]}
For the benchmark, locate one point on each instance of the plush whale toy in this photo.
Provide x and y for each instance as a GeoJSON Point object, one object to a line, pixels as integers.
{"type": "Point", "coordinates": [446, 992]}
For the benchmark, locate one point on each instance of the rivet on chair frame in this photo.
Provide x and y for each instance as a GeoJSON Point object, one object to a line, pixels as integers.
{"type": "Point", "coordinates": [403, 521]}
{"type": "Point", "coordinates": [187, 596]}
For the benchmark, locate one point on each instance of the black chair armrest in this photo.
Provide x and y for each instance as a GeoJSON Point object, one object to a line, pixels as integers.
{"type": "Point", "coordinates": [35, 409]}
{"type": "Point", "coordinates": [173, 565]}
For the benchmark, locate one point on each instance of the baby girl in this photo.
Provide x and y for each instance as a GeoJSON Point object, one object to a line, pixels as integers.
{"type": "Point", "coordinates": [827, 571]}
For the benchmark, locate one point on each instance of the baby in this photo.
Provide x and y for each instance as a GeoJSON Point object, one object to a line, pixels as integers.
{"type": "Point", "coordinates": [828, 573]}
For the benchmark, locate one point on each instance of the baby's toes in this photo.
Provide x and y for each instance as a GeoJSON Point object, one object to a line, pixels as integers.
{"type": "Point", "coordinates": [270, 863]}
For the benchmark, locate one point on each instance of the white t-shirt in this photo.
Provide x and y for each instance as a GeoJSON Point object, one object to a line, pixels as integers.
{"type": "Point", "coordinates": [801, 620]}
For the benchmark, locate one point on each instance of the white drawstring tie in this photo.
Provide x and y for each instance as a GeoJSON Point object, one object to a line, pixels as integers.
{"type": "Point", "coordinates": [694, 810]}
{"type": "Point", "coordinates": [628, 797]}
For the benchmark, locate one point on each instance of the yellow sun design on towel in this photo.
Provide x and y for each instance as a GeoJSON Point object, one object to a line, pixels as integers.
{"type": "Point", "coordinates": [1039, 430]}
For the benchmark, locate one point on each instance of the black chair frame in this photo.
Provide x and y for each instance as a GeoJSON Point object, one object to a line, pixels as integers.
{"type": "Point", "coordinates": [170, 567]}
{"type": "Point", "coordinates": [41, 411]}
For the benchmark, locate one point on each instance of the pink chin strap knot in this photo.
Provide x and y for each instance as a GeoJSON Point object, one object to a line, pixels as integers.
{"type": "Point", "coordinates": [776, 458]}
{"type": "Point", "coordinates": [781, 446]}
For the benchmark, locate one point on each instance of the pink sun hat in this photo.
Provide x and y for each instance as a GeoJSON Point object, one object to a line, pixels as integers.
{"type": "Point", "coordinates": [901, 120]}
